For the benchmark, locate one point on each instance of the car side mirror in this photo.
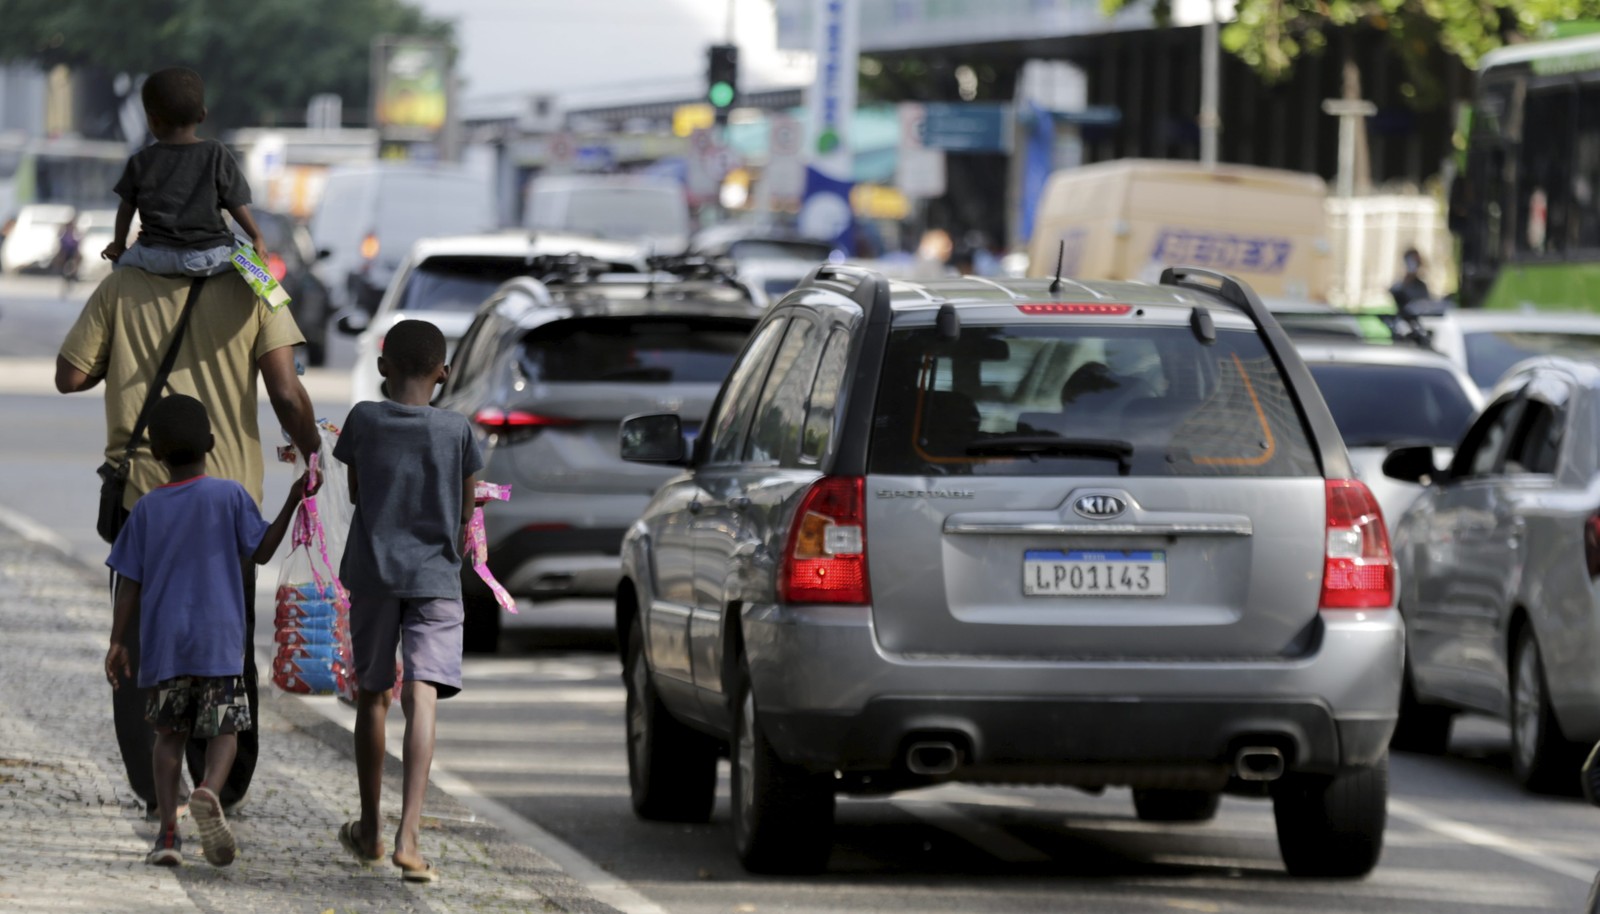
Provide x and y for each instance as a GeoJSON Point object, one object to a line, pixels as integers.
{"type": "Point", "coordinates": [352, 321]}
{"type": "Point", "coordinates": [654, 438]}
{"type": "Point", "coordinates": [1412, 463]}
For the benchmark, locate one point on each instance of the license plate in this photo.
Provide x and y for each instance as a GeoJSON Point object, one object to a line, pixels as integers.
{"type": "Point", "coordinates": [1084, 573]}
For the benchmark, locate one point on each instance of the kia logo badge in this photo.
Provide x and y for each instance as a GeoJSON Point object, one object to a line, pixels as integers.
{"type": "Point", "coordinates": [1099, 507]}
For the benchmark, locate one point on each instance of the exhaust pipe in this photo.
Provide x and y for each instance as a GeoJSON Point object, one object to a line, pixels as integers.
{"type": "Point", "coordinates": [932, 758]}
{"type": "Point", "coordinates": [1258, 763]}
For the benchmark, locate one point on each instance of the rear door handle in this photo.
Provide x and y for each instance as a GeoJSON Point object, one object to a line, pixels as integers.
{"type": "Point", "coordinates": [740, 502]}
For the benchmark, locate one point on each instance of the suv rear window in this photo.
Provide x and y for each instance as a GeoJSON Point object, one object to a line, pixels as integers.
{"type": "Point", "coordinates": [457, 283]}
{"type": "Point", "coordinates": [649, 350]}
{"type": "Point", "coordinates": [1052, 399]}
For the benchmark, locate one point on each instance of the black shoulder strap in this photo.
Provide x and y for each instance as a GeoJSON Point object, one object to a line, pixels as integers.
{"type": "Point", "coordinates": [160, 380]}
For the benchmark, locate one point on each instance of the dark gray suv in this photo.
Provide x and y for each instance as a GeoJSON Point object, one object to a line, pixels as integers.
{"type": "Point", "coordinates": [1088, 534]}
{"type": "Point", "coordinates": [547, 370]}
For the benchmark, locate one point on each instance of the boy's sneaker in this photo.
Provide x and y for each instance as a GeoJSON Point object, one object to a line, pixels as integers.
{"type": "Point", "coordinates": [168, 850]}
{"type": "Point", "coordinates": [216, 838]}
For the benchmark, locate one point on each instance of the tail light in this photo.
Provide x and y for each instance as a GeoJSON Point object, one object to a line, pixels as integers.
{"type": "Point", "coordinates": [276, 266]}
{"type": "Point", "coordinates": [825, 560]}
{"type": "Point", "coordinates": [496, 420]}
{"type": "Point", "coordinates": [1358, 571]}
{"type": "Point", "coordinates": [369, 247]}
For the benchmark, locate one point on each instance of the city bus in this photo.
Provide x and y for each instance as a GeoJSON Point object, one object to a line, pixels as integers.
{"type": "Point", "coordinates": [76, 172]}
{"type": "Point", "coordinates": [1526, 206]}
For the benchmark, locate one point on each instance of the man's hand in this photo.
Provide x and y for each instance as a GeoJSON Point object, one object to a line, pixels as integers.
{"type": "Point", "coordinates": [113, 251]}
{"type": "Point", "coordinates": [117, 666]}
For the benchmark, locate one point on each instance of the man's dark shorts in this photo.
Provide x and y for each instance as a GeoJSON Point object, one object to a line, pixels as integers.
{"type": "Point", "coordinates": [427, 632]}
{"type": "Point", "coordinates": [205, 706]}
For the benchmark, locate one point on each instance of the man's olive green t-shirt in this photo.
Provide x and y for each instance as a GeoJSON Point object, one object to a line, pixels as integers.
{"type": "Point", "coordinates": [122, 335]}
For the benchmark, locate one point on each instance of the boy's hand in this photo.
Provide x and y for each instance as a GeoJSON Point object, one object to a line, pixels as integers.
{"type": "Point", "coordinates": [114, 250]}
{"type": "Point", "coordinates": [117, 666]}
{"type": "Point", "coordinates": [305, 487]}
{"type": "Point", "coordinates": [260, 244]}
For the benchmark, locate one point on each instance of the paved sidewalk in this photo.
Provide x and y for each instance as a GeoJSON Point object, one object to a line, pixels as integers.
{"type": "Point", "coordinates": [74, 837]}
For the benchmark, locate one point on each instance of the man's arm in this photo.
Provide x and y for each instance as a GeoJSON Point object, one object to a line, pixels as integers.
{"type": "Point", "coordinates": [70, 379]}
{"type": "Point", "coordinates": [289, 399]}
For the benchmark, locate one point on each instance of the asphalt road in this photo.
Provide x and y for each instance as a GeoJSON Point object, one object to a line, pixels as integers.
{"type": "Point", "coordinates": [538, 729]}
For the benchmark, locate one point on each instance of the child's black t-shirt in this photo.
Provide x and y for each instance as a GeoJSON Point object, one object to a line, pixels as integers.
{"type": "Point", "coordinates": [180, 191]}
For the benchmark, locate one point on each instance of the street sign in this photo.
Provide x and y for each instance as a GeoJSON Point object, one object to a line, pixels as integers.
{"type": "Point", "coordinates": [967, 126]}
{"type": "Point", "coordinates": [783, 180]}
{"type": "Point", "coordinates": [920, 171]}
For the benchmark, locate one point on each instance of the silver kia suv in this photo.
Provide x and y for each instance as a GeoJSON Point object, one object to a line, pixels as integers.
{"type": "Point", "coordinates": [1088, 534]}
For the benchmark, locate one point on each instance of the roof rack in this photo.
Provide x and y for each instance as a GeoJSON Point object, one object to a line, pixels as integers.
{"type": "Point", "coordinates": [1220, 285]}
{"type": "Point", "coordinates": [698, 266]}
{"type": "Point", "coordinates": [867, 288]}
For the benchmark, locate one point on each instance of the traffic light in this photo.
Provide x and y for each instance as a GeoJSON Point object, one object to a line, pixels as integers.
{"type": "Point", "coordinates": [722, 79]}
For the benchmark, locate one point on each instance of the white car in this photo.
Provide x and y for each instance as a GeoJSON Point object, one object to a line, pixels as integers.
{"type": "Point", "coordinates": [444, 280]}
{"type": "Point", "coordinates": [32, 242]}
{"type": "Point", "coordinates": [1385, 396]}
{"type": "Point", "coordinates": [1488, 343]}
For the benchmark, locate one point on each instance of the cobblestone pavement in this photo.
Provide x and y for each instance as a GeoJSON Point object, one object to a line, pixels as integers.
{"type": "Point", "coordinates": [74, 837]}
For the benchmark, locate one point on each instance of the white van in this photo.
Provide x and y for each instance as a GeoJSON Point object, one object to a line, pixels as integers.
{"type": "Point", "coordinates": [649, 210]}
{"type": "Point", "coordinates": [1131, 218]}
{"type": "Point", "coordinates": [370, 215]}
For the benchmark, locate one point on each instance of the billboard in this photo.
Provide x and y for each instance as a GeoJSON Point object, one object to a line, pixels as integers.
{"type": "Point", "coordinates": [410, 86]}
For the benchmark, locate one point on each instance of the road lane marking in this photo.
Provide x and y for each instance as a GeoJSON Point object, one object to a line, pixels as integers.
{"type": "Point", "coordinates": [989, 838]}
{"type": "Point", "coordinates": [1490, 841]}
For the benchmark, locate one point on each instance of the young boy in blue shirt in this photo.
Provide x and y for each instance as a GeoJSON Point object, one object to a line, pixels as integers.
{"type": "Point", "coordinates": [178, 556]}
{"type": "Point", "coordinates": [413, 478]}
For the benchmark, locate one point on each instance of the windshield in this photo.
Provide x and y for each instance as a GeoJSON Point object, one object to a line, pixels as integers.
{"type": "Point", "coordinates": [1491, 353]}
{"type": "Point", "coordinates": [456, 283]}
{"type": "Point", "coordinates": [620, 213]}
{"type": "Point", "coordinates": [414, 206]}
{"type": "Point", "coordinates": [1053, 399]}
{"type": "Point", "coordinates": [650, 350]}
{"type": "Point", "coordinates": [1379, 405]}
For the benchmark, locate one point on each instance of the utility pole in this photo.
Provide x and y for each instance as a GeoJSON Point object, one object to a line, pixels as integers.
{"type": "Point", "coordinates": [1210, 88]}
{"type": "Point", "coordinates": [1349, 112]}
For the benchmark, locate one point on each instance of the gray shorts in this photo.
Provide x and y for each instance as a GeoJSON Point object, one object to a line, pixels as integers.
{"type": "Point", "coordinates": [154, 258]}
{"type": "Point", "coordinates": [426, 631]}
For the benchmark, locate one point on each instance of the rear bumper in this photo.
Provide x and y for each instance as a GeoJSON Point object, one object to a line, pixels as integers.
{"type": "Point", "coordinates": [1039, 720]}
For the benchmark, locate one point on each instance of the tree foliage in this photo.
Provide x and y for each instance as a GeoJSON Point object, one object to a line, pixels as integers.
{"type": "Point", "coordinates": [1270, 34]}
{"type": "Point", "coordinates": [262, 60]}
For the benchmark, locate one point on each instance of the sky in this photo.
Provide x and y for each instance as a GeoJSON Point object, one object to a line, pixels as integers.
{"type": "Point", "coordinates": [598, 52]}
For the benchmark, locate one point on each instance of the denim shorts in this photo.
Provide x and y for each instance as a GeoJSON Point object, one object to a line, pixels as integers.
{"type": "Point", "coordinates": [154, 258]}
{"type": "Point", "coordinates": [427, 632]}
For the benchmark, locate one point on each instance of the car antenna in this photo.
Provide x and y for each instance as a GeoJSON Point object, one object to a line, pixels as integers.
{"type": "Point", "coordinates": [1061, 256]}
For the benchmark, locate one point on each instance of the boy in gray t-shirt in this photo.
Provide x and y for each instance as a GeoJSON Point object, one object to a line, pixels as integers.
{"type": "Point", "coordinates": [412, 477]}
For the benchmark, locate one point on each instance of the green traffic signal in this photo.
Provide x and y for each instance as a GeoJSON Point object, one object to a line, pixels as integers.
{"type": "Point", "coordinates": [721, 94]}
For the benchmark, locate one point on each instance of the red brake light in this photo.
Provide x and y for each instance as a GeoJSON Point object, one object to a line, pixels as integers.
{"type": "Point", "coordinates": [825, 560]}
{"type": "Point", "coordinates": [500, 419]}
{"type": "Point", "coordinates": [1358, 569]}
{"type": "Point", "coordinates": [276, 266]}
{"type": "Point", "coordinates": [1075, 308]}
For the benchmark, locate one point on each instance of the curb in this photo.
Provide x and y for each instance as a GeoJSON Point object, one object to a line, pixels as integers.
{"type": "Point", "coordinates": [519, 848]}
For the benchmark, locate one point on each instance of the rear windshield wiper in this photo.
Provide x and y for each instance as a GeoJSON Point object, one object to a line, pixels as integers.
{"type": "Point", "coordinates": [1051, 446]}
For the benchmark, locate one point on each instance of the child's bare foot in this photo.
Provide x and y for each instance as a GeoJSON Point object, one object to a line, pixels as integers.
{"type": "Point", "coordinates": [356, 844]}
{"type": "Point", "coordinates": [413, 866]}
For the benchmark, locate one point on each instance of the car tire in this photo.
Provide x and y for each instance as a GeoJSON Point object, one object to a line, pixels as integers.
{"type": "Point", "coordinates": [672, 769]}
{"type": "Point", "coordinates": [1332, 827]}
{"type": "Point", "coordinates": [481, 632]}
{"type": "Point", "coordinates": [1542, 758]}
{"type": "Point", "coordinates": [1420, 728]}
{"type": "Point", "coordinates": [1176, 805]}
{"type": "Point", "coordinates": [782, 813]}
